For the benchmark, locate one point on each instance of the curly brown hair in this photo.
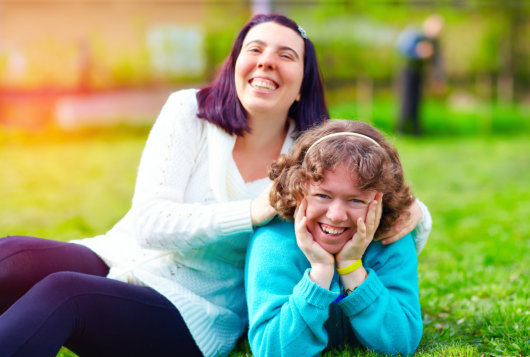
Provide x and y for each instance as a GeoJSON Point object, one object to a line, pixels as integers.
{"type": "Point", "coordinates": [377, 167]}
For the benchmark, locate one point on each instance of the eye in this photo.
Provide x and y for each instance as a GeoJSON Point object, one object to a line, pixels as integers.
{"type": "Point", "coordinates": [356, 202]}
{"type": "Point", "coordinates": [286, 56]}
{"type": "Point", "coordinates": [254, 49]}
{"type": "Point", "coordinates": [321, 195]}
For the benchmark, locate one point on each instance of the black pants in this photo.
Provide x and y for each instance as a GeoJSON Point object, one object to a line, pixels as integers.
{"type": "Point", "coordinates": [409, 118]}
{"type": "Point", "coordinates": [54, 294]}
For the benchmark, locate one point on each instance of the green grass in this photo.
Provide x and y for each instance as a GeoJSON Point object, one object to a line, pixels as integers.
{"type": "Point", "coordinates": [474, 272]}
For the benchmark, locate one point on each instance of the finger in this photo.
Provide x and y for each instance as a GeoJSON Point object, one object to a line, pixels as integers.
{"type": "Point", "coordinates": [361, 229]}
{"type": "Point", "coordinates": [370, 215]}
{"type": "Point", "coordinates": [375, 211]}
{"type": "Point", "coordinates": [301, 230]}
{"type": "Point", "coordinates": [390, 240]}
{"type": "Point", "coordinates": [373, 221]}
{"type": "Point", "coordinates": [300, 224]}
{"type": "Point", "coordinates": [300, 210]}
{"type": "Point", "coordinates": [415, 213]}
{"type": "Point", "coordinates": [379, 212]}
{"type": "Point", "coordinates": [300, 221]}
{"type": "Point", "coordinates": [387, 234]}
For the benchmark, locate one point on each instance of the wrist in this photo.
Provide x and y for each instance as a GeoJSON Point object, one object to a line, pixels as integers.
{"type": "Point", "coordinates": [353, 280]}
{"type": "Point", "coordinates": [343, 264]}
{"type": "Point", "coordinates": [322, 274]}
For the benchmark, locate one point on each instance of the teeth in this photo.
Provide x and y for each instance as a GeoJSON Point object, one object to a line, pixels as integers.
{"type": "Point", "coordinates": [331, 230]}
{"type": "Point", "coordinates": [261, 84]}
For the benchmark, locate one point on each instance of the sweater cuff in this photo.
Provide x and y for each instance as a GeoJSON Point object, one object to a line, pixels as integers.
{"type": "Point", "coordinates": [234, 217]}
{"type": "Point", "coordinates": [314, 294]}
{"type": "Point", "coordinates": [363, 296]}
{"type": "Point", "coordinates": [421, 232]}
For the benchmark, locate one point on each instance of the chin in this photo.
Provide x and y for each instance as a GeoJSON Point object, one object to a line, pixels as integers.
{"type": "Point", "coordinates": [331, 248]}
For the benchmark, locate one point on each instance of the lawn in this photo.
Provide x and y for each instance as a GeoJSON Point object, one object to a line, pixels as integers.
{"type": "Point", "coordinates": [474, 276]}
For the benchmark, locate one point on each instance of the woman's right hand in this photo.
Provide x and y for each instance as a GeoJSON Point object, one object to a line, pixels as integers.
{"type": "Point", "coordinates": [322, 262]}
{"type": "Point", "coordinates": [354, 249]}
{"type": "Point", "coordinates": [261, 211]}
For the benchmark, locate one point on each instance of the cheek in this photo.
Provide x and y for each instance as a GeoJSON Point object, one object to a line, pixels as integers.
{"type": "Point", "coordinates": [241, 68]}
{"type": "Point", "coordinates": [297, 77]}
{"type": "Point", "coordinates": [239, 80]}
{"type": "Point", "coordinates": [359, 212]}
{"type": "Point", "coordinates": [313, 210]}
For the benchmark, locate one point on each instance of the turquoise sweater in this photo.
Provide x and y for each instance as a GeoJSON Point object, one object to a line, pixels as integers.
{"type": "Point", "coordinates": [290, 315]}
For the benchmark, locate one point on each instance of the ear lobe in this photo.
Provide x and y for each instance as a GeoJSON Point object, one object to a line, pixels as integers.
{"type": "Point", "coordinates": [297, 99]}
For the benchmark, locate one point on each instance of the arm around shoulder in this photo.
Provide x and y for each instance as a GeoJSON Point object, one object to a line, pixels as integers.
{"type": "Point", "coordinates": [174, 147]}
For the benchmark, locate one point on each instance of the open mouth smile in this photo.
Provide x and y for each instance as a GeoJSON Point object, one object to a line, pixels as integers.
{"type": "Point", "coordinates": [330, 230]}
{"type": "Point", "coordinates": [263, 84]}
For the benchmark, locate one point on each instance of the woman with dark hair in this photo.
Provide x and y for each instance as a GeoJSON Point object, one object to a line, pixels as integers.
{"type": "Point", "coordinates": [168, 278]}
{"type": "Point", "coordinates": [323, 282]}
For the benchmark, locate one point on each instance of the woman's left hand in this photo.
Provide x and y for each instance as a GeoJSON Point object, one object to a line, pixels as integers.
{"type": "Point", "coordinates": [261, 211]}
{"type": "Point", "coordinates": [354, 249]}
{"type": "Point", "coordinates": [322, 262]}
{"type": "Point", "coordinates": [404, 225]}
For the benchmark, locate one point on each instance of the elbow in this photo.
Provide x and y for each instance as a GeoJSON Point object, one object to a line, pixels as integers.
{"type": "Point", "coordinates": [404, 344]}
{"type": "Point", "coordinates": [259, 342]}
{"type": "Point", "coordinates": [415, 338]}
{"type": "Point", "coordinates": [265, 341]}
{"type": "Point", "coordinates": [143, 228]}
{"type": "Point", "coordinates": [142, 240]}
{"type": "Point", "coordinates": [396, 338]}
{"type": "Point", "coordinates": [141, 234]}
{"type": "Point", "coordinates": [409, 343]}
{"type": "Point", "coordinates": [259, 347]}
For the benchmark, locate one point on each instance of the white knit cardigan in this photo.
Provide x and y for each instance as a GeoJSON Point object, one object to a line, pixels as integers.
{"type": "Point", "coordinates": [187, 231]}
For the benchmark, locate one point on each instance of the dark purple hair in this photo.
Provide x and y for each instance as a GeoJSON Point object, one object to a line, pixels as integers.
{"type": "Point", "coordinates": [219, 104]}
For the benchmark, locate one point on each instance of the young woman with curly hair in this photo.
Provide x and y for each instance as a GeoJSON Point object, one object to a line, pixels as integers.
{"type": "Point", "coordinates": [323, 281]}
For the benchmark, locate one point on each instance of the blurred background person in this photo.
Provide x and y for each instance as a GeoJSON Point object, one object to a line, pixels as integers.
{"type": "Point", "coordinates": [421, 48]}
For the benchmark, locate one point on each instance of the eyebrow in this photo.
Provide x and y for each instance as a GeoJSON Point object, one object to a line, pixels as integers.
{"type": "Point", "coordinates": [263, 43]}
{"type": "Point", "coordinates": [326, 191]}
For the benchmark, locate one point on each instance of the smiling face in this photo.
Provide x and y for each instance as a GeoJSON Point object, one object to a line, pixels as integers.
{"type": "Point", "coordinates": [269, 69]}
{"type": "Point", "coordinates": [333, 206]}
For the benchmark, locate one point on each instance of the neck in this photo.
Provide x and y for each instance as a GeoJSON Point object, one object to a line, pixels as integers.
{"type": "Point", "coordinates": [265, 132]}
{"type": "Point", "coordinates": [254, 152]}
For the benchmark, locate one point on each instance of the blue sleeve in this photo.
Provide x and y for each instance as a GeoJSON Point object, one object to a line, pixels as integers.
{"type": "Point", "coordinates": [287, 310]}
{"type": "Point", "coordinates": [407, 41]}
{"type": "Point", "coordinates": [384, 310]}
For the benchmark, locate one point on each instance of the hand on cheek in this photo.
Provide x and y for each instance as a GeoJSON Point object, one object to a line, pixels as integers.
{"type": "Point", "coordinates": [322, 262]}
{"type": "Point", "coordinates": [354, 249]}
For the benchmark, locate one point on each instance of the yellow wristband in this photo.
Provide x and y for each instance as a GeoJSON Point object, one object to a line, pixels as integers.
{"type": "Point", "coordinates": [350, 268]}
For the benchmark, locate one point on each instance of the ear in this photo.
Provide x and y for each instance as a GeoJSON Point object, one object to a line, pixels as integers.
{"type": "Point", "coordinates": [297, 99]}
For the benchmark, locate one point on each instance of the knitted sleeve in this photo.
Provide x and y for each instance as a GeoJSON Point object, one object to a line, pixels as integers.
{"type": "Point", "coordinates": [287, 310]}
{"type": "Point", "coordinates": [162, 220]}
{"type": "Point", "coordinates": [384, 311]}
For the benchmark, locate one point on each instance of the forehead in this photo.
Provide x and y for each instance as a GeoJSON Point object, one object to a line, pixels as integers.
{"type": "Point", "coordinates": [341, 180]}
{"type": "Point", "coordinates": [274, 34]}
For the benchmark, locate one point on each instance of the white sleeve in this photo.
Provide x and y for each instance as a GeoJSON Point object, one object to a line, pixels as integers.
{"type": "Point", "coordinates": [162, 220]}
{"type": "Point", "coordinates": [423, 229]}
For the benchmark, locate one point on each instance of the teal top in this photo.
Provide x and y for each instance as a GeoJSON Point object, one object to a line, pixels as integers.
{"type": "Point", "coordinates": [290, 315]}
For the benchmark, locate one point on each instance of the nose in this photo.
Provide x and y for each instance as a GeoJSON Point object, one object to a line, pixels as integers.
{"type": "Point", "coordinates": [266, 61]}
{"type": "Point", "coordinates": [336, 212]}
